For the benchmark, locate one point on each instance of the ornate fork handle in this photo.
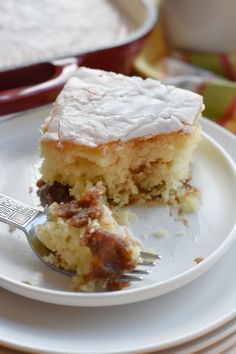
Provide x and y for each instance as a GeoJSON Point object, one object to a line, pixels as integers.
{"type": "Point", "coordinates": [15, 213]}
{"type": "Point", "coordinates": [26, 218]}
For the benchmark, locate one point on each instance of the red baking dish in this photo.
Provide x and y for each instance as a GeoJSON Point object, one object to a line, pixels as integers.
{"type": "Point", "coordinates": [38, 84]}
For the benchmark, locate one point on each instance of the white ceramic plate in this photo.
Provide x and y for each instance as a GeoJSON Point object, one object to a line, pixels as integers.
{"type": "Point", "coordinates": [208, 234]}
{"type": "Point", "coordinates": [163, 322]}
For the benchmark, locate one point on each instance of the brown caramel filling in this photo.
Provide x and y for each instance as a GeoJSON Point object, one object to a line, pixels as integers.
{"type": "Point", "coordinates": [111, 257]}
{"type": "Point", "coordinates": [54, 193]}
{"type": "Point", "coordinates": [78, 215]}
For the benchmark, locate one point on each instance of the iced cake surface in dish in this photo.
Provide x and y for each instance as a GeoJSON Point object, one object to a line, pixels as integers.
{"type": "Point", "coordinates": [137, 137]}
{"type": "Point", "coordinates": [84, 238]}
{"type": "Point", "coordinates": [38, 31]}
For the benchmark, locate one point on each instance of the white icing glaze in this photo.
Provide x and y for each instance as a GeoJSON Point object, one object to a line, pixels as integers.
{"type": "Point", "coordinates": [97, 107]}
{"type": "Point", "coordinates": [37, 30]}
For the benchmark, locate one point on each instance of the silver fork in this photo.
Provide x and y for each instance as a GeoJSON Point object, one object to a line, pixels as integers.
{"type": "Point", "coordinates": [27, 218]}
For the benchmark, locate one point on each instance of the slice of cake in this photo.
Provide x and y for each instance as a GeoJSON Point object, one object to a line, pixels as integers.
{"type": "Point", "coordinates": [84, 238]}
{"type": "Point", "coordinates": [137, 137]}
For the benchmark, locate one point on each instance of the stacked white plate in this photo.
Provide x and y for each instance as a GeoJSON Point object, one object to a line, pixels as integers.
{"type": "Point", "coordinates": [181, 307]}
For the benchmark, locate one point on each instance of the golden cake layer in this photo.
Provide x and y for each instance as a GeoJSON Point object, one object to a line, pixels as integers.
{"type": "Point", "coordinates": [137, 137]}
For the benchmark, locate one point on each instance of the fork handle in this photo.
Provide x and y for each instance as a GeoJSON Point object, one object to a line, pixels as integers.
{"type": "Point", "coordinates": [15, 213]}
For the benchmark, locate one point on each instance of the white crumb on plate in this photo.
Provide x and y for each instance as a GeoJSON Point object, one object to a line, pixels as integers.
{"type": "Point", "coordinates": [179, 234]}
{"type": "Point", "coordinates": [31, 189]}
{"type": "Point", "coordinates": [161, 233]}
{"type": "Point", "coordinates": [27, 282]}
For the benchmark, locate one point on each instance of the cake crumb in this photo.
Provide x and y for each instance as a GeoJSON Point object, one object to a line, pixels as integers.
{"type": "Point", "coordinates": [198, 260]}
{"type": "Point", "coordinates": [190, 202]}
{"type": "Point", "coordinates": [185, 222]}
{"type": "Point", "coordinates": [161, 233]}
{"type": "Point", "coordinates": [26, 282]}
{"type": "Point", "coordinates": [31, 189]}
{"type": "Point", "coordinates": [179, 234]}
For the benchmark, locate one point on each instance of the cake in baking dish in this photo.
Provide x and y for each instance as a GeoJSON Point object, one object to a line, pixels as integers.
{"type": "Point", "coordinates": [83, 237]}
{"type": "Point", "coordinates": [136, 137]}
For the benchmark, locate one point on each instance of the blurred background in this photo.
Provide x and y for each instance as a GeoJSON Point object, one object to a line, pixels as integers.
{"type": "Point", "coordinates": [193, 46]}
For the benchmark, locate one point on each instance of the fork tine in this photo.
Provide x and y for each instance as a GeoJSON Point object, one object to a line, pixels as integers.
{"type": "Point", "coordinates": [140, 271]}
{"type": "Point", "coordinates": [131, 277]}
{"type": "Point", "coordinates": [150, 255]}
{"type": "Point", "coordinates": [147, 262]}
